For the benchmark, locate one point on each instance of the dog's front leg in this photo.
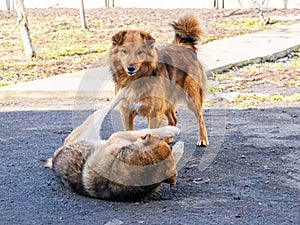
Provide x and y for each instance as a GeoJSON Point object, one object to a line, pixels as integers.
{"type": "Point", "coordinates": [86, 126]}
{"type": "Point", "coordinates": [154, 122]}
{"type": "Point", "coordinates": [128, 136]}
{"type": "Point", "coordinates": [166, 132]}
{"type": "Point", "coordinates": [163, 132]}
{"type": "Point", "coordinates": [155, 118]}
{"type": "Point", "coordinates": [177, 152]}
{"type": "Point", "coordinates": [127, 117]}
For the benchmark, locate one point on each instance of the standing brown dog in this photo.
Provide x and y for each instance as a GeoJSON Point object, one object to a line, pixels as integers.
{"type": "Point", "coordinates": [159, 78]}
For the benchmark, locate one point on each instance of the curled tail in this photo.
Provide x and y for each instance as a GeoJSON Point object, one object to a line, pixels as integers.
{"type": "Point", "coordinates": [187, 32]}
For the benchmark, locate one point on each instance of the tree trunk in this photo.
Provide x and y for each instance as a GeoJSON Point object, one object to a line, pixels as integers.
{"type": "Point", "coordinates": [285, 3]}
{"type": "Point", "coordinates": [24, 30]}
{"type": "Point", "coordinates": [216, 4]}
{"type": "Point", "coordinates": [82, 16]}
{"type": "Point", "coordinates": [219, 4]}
{"type": "Point", "coordinates": [107, 3]}
{"type": "Point", "coordinates": [259, 10]}
{"type": "Point", "coordinates": [8, 5]}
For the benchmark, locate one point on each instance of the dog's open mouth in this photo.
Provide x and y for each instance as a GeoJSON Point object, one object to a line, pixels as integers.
{"type": "Point", "coordinates": [130, 73]}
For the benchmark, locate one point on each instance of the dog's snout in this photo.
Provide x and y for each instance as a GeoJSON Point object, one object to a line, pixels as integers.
{"type": "Point", "coordinates": [131, 68]}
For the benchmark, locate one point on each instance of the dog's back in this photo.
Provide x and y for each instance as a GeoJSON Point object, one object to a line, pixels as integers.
{"type": "Point", "coordinates": [69, 162]}
{"type": "Point", "coordinates": [181, 60]}
{"type": "Point", "coordinates": [114, 174]}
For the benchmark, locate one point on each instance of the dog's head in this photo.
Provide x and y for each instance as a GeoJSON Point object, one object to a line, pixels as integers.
{"type": "Point", "coordinates": [132, 48]}
{"type": "Point", "coordinates": [148, 141]}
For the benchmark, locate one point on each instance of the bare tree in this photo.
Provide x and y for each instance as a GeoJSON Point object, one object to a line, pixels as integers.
{"type": "Point", "coordinates": [285, 3]}
{"type": "Point", "coordinates": [82, 16]}
{"type": "Point", "coordinates": [217, 4]}
{"type": "Point", "coordinates": [107, 5]}
{"type": "Point", "coordinates": [24, 29]}
{"type": "Point", "coordinates": [8, 5]}
{"type": "Point", "coordinates": [259, 10]}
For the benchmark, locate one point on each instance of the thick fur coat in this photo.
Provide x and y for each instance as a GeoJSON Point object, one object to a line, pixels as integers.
{"type": "Point", "coordinates": [160, 78]}
{"type": "Point", "coordinates": [126, 167]}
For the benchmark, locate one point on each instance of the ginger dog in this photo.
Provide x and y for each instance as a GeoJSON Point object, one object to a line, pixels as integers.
{"type": "Point", "coordinates": [160, 78]}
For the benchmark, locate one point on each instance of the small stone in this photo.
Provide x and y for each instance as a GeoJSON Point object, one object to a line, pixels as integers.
{"type": "Point", "coordinates": [236, 198]}
{"type": "Point", "coordinates": [238, 215]}
{"type": "Point", "coordinates": [198, 180]}
{"type": "Point", "coordinates": [114, 222]}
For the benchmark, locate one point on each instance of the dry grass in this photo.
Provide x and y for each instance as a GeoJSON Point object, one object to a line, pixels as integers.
{"type": "Point", "coordinates": [62, 47]}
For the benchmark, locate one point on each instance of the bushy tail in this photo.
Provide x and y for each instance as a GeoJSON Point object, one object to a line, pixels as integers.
{"type": "Point", "coordinates": [47, 162]}
{"type": "Point", "coordinates": [187, 32]}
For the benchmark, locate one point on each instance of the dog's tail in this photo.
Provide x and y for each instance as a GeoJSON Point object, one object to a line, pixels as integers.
{"type": "Point", "coordinates": [187, 32]}
{"type": "Point", "coordinates": [47, 162]}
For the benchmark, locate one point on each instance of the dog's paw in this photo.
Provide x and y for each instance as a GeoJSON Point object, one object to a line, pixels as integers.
{"type": "Point", "coordinates": [177, 150]}
{"type": "Point", "coordinates": [202, 143]}
{"type": "Point", "coordinates": [171, 131]}
{"type": "Point", "coordinates": [178, 146]}
{"type": "Point", "coordinates": [166, 132]}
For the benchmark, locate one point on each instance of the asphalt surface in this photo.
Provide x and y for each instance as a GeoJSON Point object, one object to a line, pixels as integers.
{"type": "Point", "coordinates": [248, 175]}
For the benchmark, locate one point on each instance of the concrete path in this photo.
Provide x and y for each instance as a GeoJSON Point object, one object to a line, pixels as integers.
{"type": "Point", "coordinates": [217, 56]}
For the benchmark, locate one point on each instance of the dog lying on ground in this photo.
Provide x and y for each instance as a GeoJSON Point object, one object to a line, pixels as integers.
{"type": "Point", "coordinates": [160, 78]}
{"type": "Point", "coordinates": [128, 166]}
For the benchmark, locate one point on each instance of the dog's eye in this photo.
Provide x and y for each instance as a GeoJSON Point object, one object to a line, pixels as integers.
{"type": "Point", "coordinates": [124, 51]}
{"type": "Point", "coordinates": [139, 53]}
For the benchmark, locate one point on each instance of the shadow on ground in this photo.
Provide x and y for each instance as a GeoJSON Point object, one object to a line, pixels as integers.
{"type": "Point", "coordinates": [248, 175]}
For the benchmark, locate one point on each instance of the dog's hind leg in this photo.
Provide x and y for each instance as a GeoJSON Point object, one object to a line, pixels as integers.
{"type": "Point", "coordinates": [89, 129]}
{"type": "Point", "coordinates": [177, 151]}
{"type": "Point", "coordinates": [194, 103]}
{"type": "Point", "coordinates": [196, 107]}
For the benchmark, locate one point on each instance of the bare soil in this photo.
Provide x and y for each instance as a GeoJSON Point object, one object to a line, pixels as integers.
{"type": "Point", "coordinates": [63, 47]}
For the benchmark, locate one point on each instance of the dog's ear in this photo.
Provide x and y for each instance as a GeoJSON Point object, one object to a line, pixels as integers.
{"type": "Point", "coordinates": [148, 38]}
{"type": "Point", "coordinates": [118, 38]}
{"type": "Point", "coordinates": [145, 137]}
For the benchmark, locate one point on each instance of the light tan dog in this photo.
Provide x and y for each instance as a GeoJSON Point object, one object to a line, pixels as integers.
{"type": "Point", "coordinates": [160, 78]}
{"type": "Point", "coordinates": [126, 167]}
